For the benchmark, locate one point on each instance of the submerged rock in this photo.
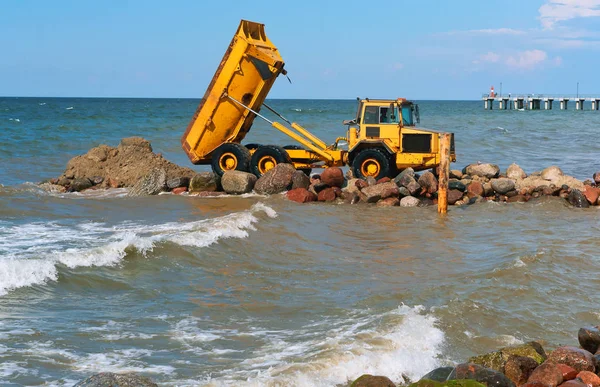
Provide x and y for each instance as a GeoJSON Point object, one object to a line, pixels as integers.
{"type": "Point", "coordinates": [203, 182]}
{"type": "Point", "coordinates": [301, 195]}
{"type": "Point", "coordinates": [109, 379]}
{"type": "Point", "coordinates": [577, 199]}
{"type": "Point", "coordinates": [153, 183]}
{"type": "Point", "coordinates": [238, 182]}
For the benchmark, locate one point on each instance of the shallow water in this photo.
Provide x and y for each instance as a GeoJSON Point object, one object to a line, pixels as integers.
{"type": "Point", "coordinates": [262, 291]}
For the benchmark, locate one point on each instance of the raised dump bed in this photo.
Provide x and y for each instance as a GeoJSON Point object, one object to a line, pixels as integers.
{"type": "Point", "coordinates": [247, 72]}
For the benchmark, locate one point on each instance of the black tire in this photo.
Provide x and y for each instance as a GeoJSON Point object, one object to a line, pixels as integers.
{"type": "Point", "coordinates": [374, 162]}
{"type": "Point", "coordinates": [230, 156]}
{"type": "Point", "coordinates": [266, 157]}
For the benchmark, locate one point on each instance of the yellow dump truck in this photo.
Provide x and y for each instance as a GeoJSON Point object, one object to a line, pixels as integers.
{"type": "Point", "coordinates": [382, 139]}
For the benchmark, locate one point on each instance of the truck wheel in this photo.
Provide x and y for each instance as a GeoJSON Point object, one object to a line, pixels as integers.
{"type": "Point", "coordinates": [266, 157]}
{"type": "Point", "coordinates": [230, 157]}
{"type": "Point", "coordinates": [372, 162]}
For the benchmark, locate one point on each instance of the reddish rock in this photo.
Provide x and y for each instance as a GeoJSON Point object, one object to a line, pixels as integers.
{"type": "Point", "coordinates": [360, 184]}
{"type": "Point", "coordinates": [475, 188]}
{"type": "Point", "coordinates": [519, 369]}
{"type": "Point", "coordinates": [591, 194]}
{"type": "Point", "coordinates": [333, 177]}
{"type": "Point", "coordinates": [338, 192]}
{"type": "Point", "coordinates": [573, 383]}
{"type": "Point", "coordinates": [517, 198]}
{"type": "Point", "coordinates": [373, 194]}
{"type": "Point", "coordinates": [384, 180]}
{"type": "Point", "coordinates": [389, 202]}
{"type": "Point", "coordinates": [327, 195]}
{"type": "Point", "coordinates": [301, 195]}
{"type": "Point", "coordinates": [179, 190]}
{"type": "Point", "coordinates": [547, 373]}
{"type": "Point", "coordinates": [429, 182]}
{"type": "Point", "coordinates": [454, 195]}
{"type": "Point", "coordinates": [112, 183]}
{"type": "Point", "coordinates": [578, 358]}
{"type": "Point", "coordinates": [589, 378]}
{"type": "Point", "coordinates": [568, 372]}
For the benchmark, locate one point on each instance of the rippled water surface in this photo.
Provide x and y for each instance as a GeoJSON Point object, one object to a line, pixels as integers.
{"type": "Point", "coordinates": [262, 291]}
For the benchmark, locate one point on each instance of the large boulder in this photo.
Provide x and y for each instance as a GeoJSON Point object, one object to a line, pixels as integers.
{"type": "Point", "coordinates": [177, 182]}
{"type": "Point", "coordinates": [589, 338]}
{"type": "Point", "coordinates": [519, 368]}
{"type": "Point", "coordinates": [497, 359]}
{"type": "Point", "coordinates": [577, 199]}
{"type": "Point", "coordinates": [515, 172]}
{"type": "Point", "coordinates": [373, 194]}
{"type": "Point", "coordinates": [483, 170]}
{"type": "Point", "coordinates": [551, 173]}
{"type": "Point", "coordinates": [578, 358]}
{"type": "Point", "coordinates": [300, 180]}
{"type": "Point", "coordinates": [454, 195]}
{"type": "Point", "coordinates": [503, 185]}
{"type": "Point", "coordinates": [204, 182]}
{"type": "Point", "coordinates": [548, 374]}
{"type": "Point", "coordinates": [238, 182]}
{"type": "Point", "coordinates": [333, 177]}
{"type": "Point", "coordinates": [475, 189]}
{"type": "Point", "coordinates": [429, 182]}
{"type": "Point", "coordinates": [372, 381]}
{"type": "Point", "coordinates": [405, 177]}
{"type": "Point", "coordinates": [301, 195]}
{"type": "Point", "coordinates": [79, 184]}
{"type": "Point", "coordinates": [591, 194]}
{"type": "Point", "coordinates": [153, 183]}
{"type": "Point", "coordinates": [109, 379]}
{"type": "Point", "coordinates": [487, 376]}
{"type": "Point", "coordinates": [276, 180]}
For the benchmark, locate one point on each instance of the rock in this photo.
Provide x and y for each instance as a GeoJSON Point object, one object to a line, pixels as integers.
{"type": "Point", "coordinates": [487, 189]}
{"type": "Point", "coordinates": [203, 182]}
{"type": "Point", "coordinates": [438, 374]}
{"type": "Point", "coordinates": [425, 202]}
{"type": "Point", "coordinates": [517, 199]}
{"type": "Point", "coordinates": [403, 191]}
{"type": "Point", "coordinates": [409, 201]}
{"type": "Point", "coordinates": [109, 379]}
{"type": "Point", "coordinates": [580, 359]}
{"type": "Point", "coordinates": [138, 142]}
{"type": "Point", "coordinates": [327, 195]}
{"type": "Point", "coordinates": [591, 194]}
{"type": "Point", "coordinates": [456, 184]}
{"type": "Point", "coordinates": [597, 177]}
{"type": "Point", "coordinates": [519, 368]}
{"type": "Point", "coordinates": [568, 372]}
{"type": "Point", "coordinates": [177, 182]}
{"type": "Point", "coordinates": [481, 374]}
{"type": "Point", "coordinates": [300, 180]}
{"type": "Point", "coordinates": [429, 182]}
{"type": "Point", "coordinates": [208, 194]}
{"type": "Point", "coordinates": [179, 190]}
{"type": "Point", "coordinates": [496, 360]}
{"type": "Point", "coordinates": [483, 170]}
{"type": "Point", "coordinates": [454, 195]}
{"type": "Point", "coordinates": [360, 184]}
{"type": "Point", "coordinates": [373, 194]}
{"type": "Point", "coordinates": [97, 180]}
{"type": "Point", "coordinates": [301, 195]}
{"type": "Point", "coordinates": [54, 188]}
{"type": "Point", "coordinates": [372, 381]}
{"type": "Point", "coordinates": [414, 188]}
{"type": "Point", "coordinates": [551, 173]}
{"type": "Point", "coordinates": [405, 177]}
{"type": "Point", "coordinates": [447, 383]}
{"type": "Point", "coordinates": [351, 198]}
{"type": "Point", "coordinates": [534, 384]}
{"type": "Point", "coordinates": [515, 172]}
{"type": "Point", "coordinates": [333, 177]}
{"type": "Point", "coordinates": [351, 186]}
{"type": "Point", "coordinates": [371, 180]}
{"type": "Point", "coordinates": [389, 202]}
{"type": "Point", "coordinates": [576, 199]}
{"type": "Point", "coordinates": [238, 182]}
{"type": "Point", "coordinates": [573, 383]}
{"type": "Point", "coordinates": [456, 174]}
{"type": "Point", "coordinates": [502, 185]}
{"type": "Point", "coordinates": [318, 187]}
{"type": "Point", "coordinates": [476, 189]}
{"type": "Point", "coordinates": [589, 378]}
{"type": "Point", "coordinates": [547, 373]}
{"type": "Point", "coordinates": [152, 184]}
{"type": "Point", "coordinates": [79, 184]}
{"type": "Point", "coordinates": [534, 182]}
{"type": "Point", "coordinates": [589, 338]}
{"type": "Point", "coordinates": [112, 183]}
{"type": "Point", "coordinates": [64, 181]}
{"type": "Point", "coordinates": [384, 179]}
{"type": "Point", "coordinates": [276, 180]}
{"type": "Point", "coordinates": [315, 179]}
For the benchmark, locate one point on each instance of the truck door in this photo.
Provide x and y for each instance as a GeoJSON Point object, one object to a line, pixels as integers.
{"type": "Point", "coordinates": [381, 121]}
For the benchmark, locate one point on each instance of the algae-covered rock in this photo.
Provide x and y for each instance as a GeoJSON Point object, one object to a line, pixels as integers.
{"type": "Point", "coordinates": [497, 359]}
{"type": "Point", "coordinates": [372, 381]}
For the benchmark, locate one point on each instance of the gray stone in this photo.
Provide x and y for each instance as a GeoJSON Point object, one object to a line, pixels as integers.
{"type": "Point", "coordinates": [577, 199]}
{"type": "Point", "coordinates": [80, 184]}
{"type": "Point", "coordinates": [401, 179]}
{"type": "Point", "coordinates": [456, 174]}
{"type": "Point", "coordinates": [456, 184]}
{"type": "Point", "coordinates": [153, 183]}
{"type": "Point", "coordinates": [403, 191]}
{"type": "Point", "coordinates": [503, 185]}
{"type": "Point", "coordinates": [428, 181]}
{"type": "Point", "coordinates": [371, 180]}
{"type": "Point", "coordinates": [238, 182]}
{"type": "Point", "coordinates": [204, 181]}
{"type": "Point", "coordinates": [300, 180]}
{"type": "Point", "coordinates": [515, 172]}
{"type": "Point", "coordinates": [552, 173]}
{"type": "Point", "coordinates": [483, 170]}
{"type": "Point", "coordinates": [177, 182]}
{"type": "Point", "coordinates": [409, 201]}
{"type": "Point", "coordinates": [276, 180]}
{"type": "Point", "coordinates": [374, 193]}
{"type": "Point", "coordinates": [109, 379]}
{"type": "Point", "coordinates": [414, 188]}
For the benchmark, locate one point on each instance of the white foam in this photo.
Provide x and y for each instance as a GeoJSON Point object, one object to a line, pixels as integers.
{"type": "Point", "coordinates": [31, 252]}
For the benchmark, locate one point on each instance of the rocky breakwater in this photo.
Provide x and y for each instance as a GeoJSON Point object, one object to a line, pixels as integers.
{"type": "Point", "coordinates": [526, 365]}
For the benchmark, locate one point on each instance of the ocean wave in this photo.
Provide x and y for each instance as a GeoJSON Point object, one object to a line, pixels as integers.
{"type": "Point", "coordinates": [32, 253]}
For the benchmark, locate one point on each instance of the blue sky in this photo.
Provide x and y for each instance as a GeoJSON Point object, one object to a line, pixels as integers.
{"type": "Point", "coordinates": [333, 49]}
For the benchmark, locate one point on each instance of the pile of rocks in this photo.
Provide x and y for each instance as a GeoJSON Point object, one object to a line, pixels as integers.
{"type": "Point", "coordinates": [527, 365]}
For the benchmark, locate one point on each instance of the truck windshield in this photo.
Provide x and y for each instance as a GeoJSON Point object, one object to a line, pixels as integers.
{"type": "Point", "coordinates": [407, 115]}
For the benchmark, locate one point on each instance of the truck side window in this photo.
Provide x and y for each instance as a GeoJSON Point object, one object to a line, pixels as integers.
{"type": "Point", "coordinates": [371, 115]}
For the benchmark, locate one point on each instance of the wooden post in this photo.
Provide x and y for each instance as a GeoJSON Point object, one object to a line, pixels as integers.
{"type": "Point", "coordinates": [444, 173]}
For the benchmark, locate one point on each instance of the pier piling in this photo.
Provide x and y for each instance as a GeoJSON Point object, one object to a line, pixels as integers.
{"type": "Point", "coordinates": [534, 101]}
{"type": "Point", "coordinates": [444, 172]}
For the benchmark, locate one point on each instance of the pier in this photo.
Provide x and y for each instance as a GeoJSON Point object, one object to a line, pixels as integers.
{"type": "Point", "coordinates": [540, 102]}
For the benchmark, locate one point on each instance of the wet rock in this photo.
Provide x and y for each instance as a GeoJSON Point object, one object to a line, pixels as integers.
{"type": "Point", "coordinates": [589, 378]}
{"type": "Point", "coordinates": [483, 170]}
{"type": "Point", "coordinates": [80, 184]}
{"type": "Point", "coordinates": [580, 359]}
{"type": "Point", "coordinates": [515, 172]}
{"type": "Point", "coordinates": [456, 184]}
{"type": "Point", "coordinates": [551, 173]}
{"type": "Point", "coordinates": [414, 188]}
{"type": "Point", "coordinates": [589, 338]}
{"type": "Point", "coordinates": [481, 374]}
{"type": "Point", "coordinates": [429, 182]}
{"type": "Point", "coordinates": [177, 182]}
{"type": "Point", "coordinates": [403, 191]}
{"type": "Point", "coordinates": [591, 194]}
{"type": "Point", "coordinates": [577, 199]}
{"type": "Point", "coordinates": [301, 195]}
{"type": "Point", "coordinates": [333, 177]}
{"type": "Point", "coordinates": [54, 188]}
{"type": "Point", "coordinates": [179, 190]}
{"type": "Point", "coordinates": [547, 373]}
{"type": "Point", "coordinates": [409, 201]}
{"type": "Point", "coordinates": [109, 379]}
{"type": "Point", "coordinates": [597, 177]}
{"type": "Point", "coordinates": [568, 372]}
{"type": "Point", "coordinates": [204, 181]}
{"type": "Point", "coordinates": [351, 198]}
{"type": "Point", "coordinates": [276, 180]}
{"type": "Point", "coordinates": [476, 189]}
{"type": "Point", "coordinates": [454, 196]}
{"type": "Point", "coordinates": [502, 185]}
{"type": "Point", "coordinates": [360, 184]}
{"type": "Point", "coordinates": [487, 189]}
{"type": "Point", "coordinates": [318, 187]}
{"type": "Point", "coordinates": [153, 183]}
{"type": "Point", "coordinates": [519, 368]}
{"type": "Point", "coordinates": [208, 194]}
{"type": "Point", "coordinates": [374, 193]}
{"type": "Point", "coordinates": [239, 182]}
{"type": "Point", "coordinates": [384, 179]}
{"type": "Point", "coordinates": [372, 381]}
{"type": "Point", "coordinates": [327, 195]}
{"type": "Point", "coordinates": [456, 174]}
{"type": "Point", "coordinates": [405, 177]}
{"type": "Point", "coordinates": [388, 202]}
{"type": "Point", "coordinates": [574, 383]}
{"type": "Point", "coordinates": [438, 374]}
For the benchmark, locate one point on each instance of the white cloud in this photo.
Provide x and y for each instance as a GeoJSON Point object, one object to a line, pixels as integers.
{"type": "Point", "coordinates": [527, 60]}
{"type": "Point", "coordinates": [490, 57]}
{"type": "Point", "coordinates": [555, 11]}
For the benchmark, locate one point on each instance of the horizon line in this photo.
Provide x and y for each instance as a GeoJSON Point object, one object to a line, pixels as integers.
{"type": "Point", "coordinates": [199, 98]}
